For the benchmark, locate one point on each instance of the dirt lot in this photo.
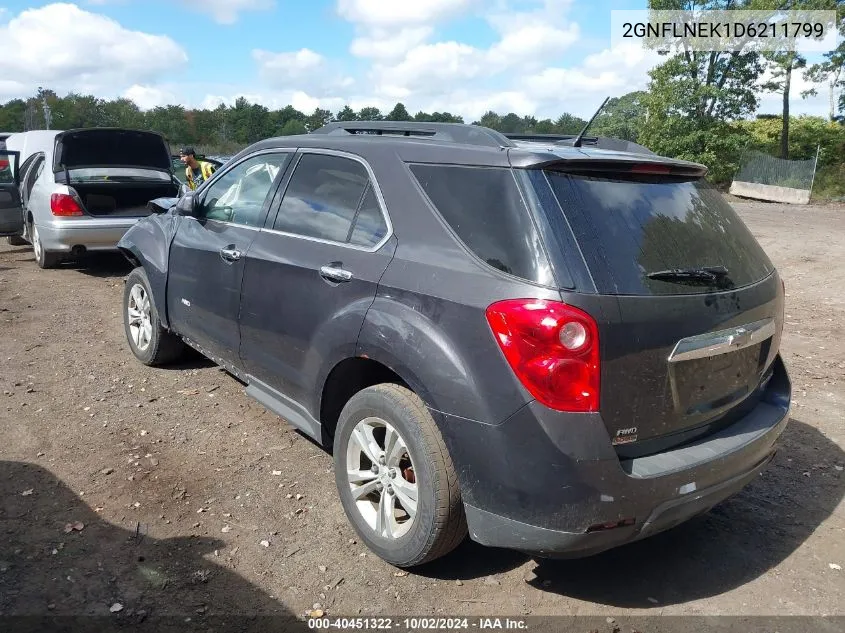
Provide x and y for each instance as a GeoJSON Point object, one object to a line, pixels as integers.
{"type": "Point", "coordinates": [195, 500]}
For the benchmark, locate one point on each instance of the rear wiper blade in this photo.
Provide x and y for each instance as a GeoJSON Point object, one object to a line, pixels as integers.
{"type": "Point", "coordinates": [704, 273]}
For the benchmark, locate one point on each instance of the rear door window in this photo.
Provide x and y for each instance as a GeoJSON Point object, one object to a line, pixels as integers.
{"type": "Point", "coordinates": [484, 208]}
{"type": "Point", "coordinates": [369, 227]}
{"type": "Point", "coordinates": [331, 198]}
{"type": "Point", "coordinates": [630, 226]}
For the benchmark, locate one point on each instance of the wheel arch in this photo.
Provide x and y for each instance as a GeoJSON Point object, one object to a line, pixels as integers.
{"type": "Point", "coordinates": [147, 245]}
{"type": "Point", "coordinates": [348, 377]}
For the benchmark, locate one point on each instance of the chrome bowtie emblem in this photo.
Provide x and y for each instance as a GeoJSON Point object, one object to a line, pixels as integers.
{"type": "Point", "coordinates": [740, 337]}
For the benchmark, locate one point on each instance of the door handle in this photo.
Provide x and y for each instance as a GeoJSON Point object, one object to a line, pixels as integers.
{"type": "Point", "coordinates": [333, 273]}
{"type": "Point", "coordinates": [230, 254]}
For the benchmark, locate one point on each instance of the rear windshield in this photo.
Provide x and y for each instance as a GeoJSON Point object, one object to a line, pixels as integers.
{"type": "Point", "coordinates": [628, 227]}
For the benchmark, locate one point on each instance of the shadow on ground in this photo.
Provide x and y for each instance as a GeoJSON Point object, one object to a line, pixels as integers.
{"type": "Point", "coordinates": [103, 265]}
{"type": "Point", "coordinates": [52, 579]}
{"type": "Point", "coordinates": [736, 542]}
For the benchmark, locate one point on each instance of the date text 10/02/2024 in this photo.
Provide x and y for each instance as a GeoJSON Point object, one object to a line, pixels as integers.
{"type": "Point", "coordinates": [417, 624]}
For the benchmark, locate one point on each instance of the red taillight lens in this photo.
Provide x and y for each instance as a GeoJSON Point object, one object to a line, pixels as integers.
{"type": "Point", "coordinates": [64, 205]}
{"type": "Point", "coordinates": [553, 348]}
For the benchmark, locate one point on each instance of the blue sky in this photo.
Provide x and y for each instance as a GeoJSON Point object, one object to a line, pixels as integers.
{"type": "Point", "coordinates": [541, 57]}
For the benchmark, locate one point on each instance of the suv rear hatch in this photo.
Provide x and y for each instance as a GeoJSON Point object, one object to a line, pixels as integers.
{"type": "Point", "coordinates": [114, 172]}
{"type": "Point", "coordinates": [699, 306]}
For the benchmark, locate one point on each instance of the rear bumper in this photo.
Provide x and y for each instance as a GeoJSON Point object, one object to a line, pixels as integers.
{"type": "Point", "coordinates": [93, 235]}
{"type": "Point", "coordinates": [542, 481]}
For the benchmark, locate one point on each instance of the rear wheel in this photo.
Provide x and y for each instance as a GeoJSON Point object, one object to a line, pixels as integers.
{"type": "Point", "coordinates": [149, 341]}
{"type": "Point", "coordinates": [44, 259]}
{"type": "Point", "coordinates": [395, 478]}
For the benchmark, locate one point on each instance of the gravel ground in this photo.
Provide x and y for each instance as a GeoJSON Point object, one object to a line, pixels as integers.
{"type": "Point", "coordinates": [193, 500]}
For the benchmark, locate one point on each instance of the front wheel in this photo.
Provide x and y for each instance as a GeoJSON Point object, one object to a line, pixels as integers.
{"type": "Point", "coordinates": [149, 341]}
{"type": "Point", "coordinates": [396, 480]}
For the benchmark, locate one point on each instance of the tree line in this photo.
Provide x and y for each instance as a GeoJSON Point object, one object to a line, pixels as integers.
{"type": "Point", "coordinates": [698, 106]}
{"type": "Point", "coordinates": [233, 126]}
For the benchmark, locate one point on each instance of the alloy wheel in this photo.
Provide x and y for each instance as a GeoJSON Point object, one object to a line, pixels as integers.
{"type": "Point", "coordinates": [37, 248]}
{"type": "Point", "coordinates": [140, 320]}
{"type": "Point", "coordinates": [381, 477]}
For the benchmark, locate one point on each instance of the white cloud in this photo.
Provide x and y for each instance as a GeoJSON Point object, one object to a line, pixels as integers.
{"type": "Point", "coordinates": [284, 67]}
{"type": "Point", "coordinates": [527, 41]}
{"type": "Point", "coordinates": [97, 54]}
{"type": "Point", "coordinates": [386, 45]}
{"type": "Point", "coordinates": [149, 97]}
{"type": "Point", "coordinates": [428, 69]}
{"type": "Point", "coordinates": [302, 70]}
{"type": "Point", "coordinates": [531, 44]}
{"type": "Point", "coordinates": [381, 13]}
{"type": "Point", "coordinates": [228, 11]}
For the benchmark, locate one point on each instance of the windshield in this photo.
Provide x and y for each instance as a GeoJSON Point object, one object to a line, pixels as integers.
{"type": "Point", "coordinates": [630, 226]}
{"type": "Point", "coordinates": [116, 174]}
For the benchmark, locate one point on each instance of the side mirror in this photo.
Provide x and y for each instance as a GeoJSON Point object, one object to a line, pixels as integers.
{"type": "Point", "coordinates": [186, 205]}
{"type": "Point", "coordinates": [161, 205]}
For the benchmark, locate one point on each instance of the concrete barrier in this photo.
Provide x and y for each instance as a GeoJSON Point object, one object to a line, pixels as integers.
{"type": "Point", "coordinates": [770, 192]}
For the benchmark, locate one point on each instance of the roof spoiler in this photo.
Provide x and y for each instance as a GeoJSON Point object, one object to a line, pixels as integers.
{"type": "Point", "coordinates": [599, 142]}
{"type": "Point", "coordinates": [644, 166]}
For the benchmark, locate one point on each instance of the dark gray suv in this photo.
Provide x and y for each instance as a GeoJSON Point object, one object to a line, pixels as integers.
{"type": "Point", "coordinates": [547, 344]}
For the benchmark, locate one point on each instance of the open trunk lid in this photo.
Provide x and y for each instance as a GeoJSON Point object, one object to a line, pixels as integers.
{"type": "Point", "coordinates": [699, 307]}
{"type": "Point", "coordinates": [110, 147]}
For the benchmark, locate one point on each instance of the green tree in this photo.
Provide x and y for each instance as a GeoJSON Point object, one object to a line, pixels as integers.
{"type": "Point", "coordinates": [123, 113]}
{"type": "Point", "coordinates": [370, 114]}
{"type": "Point", "coordinates": [489, 119]}
{"type": "Point", "coordinates": [399, 113]}
{"type": "Point", "coordinates": [569, 124]}
{"type": "Point", "coordinates": [621, 118]}
{"type": "Point", "coordinates": [546, 126]}
{"type": "Point", "coordinates": [346, 114]}
{"type": "Point", "coordinates": [511, 123]}
{"type": "Point", "coordinates": [12, 116]}
{"type": "Point", "coordinates": [831, 71]}
{"type": "Point", "coordinates": [781, 65]}
{"type": "Point", "coordinates": [318, 119]}
{"type": "Point", "coordinates": [292, 127]}
{"type": "Point", "coordinates": [694, 95]}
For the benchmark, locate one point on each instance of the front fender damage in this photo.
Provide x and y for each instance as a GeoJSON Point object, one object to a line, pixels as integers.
{"type": "Point", "coordinates": [147, 244]}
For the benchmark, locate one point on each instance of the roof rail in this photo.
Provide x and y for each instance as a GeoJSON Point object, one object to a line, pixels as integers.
{"type": "Point", "coordinates": [447, 132]}
{"type": "Point", "coordinates": [600, 142]}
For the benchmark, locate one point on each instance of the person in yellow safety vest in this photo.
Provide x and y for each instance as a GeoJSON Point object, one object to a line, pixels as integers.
{"type": "Point", "coordinates": [196, 171]}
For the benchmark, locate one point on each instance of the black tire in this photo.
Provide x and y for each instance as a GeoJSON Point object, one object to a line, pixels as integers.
{"type": "Point", "coordinates": [16, 240]}
{"type": "Point", "coordinates": [440, 523]}
{"type": "Point", "coordinates": [164, 347]}
{"type": "Point", "coordinates": [44, 259]}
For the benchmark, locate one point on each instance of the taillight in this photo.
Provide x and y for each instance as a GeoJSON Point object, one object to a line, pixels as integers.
{"type": "Point", "coordinates": [553, 348]}
{"type": "Point", "coordinates": [64, 205]}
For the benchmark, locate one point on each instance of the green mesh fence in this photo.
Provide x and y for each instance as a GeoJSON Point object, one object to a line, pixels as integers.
{"type": "Point", "coordinates": [763, 169]}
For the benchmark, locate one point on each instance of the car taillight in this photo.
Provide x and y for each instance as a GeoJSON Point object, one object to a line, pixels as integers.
{"type": "Point", "coordinates": [553, 348]}
{"type": "Point", "coordinates": [63, 204]}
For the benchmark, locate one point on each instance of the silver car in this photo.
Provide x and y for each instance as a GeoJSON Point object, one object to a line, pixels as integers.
{"type": "Point", "coordinates": [81, 190]}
